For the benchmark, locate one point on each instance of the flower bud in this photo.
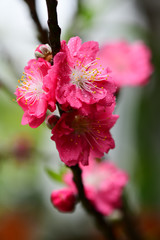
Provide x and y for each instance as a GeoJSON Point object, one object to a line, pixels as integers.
{"type": "Point", "coordinates": [44, 51]}
{"type": "Point", "coordinates": [64, 200]}
{"type": "Point", "coordinates": [51, 121]}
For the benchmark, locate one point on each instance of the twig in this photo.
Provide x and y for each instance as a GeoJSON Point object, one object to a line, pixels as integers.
{"type": "Point", "coordinates": [54, 29]}
{"type": "Point", "coordinates": [130, 225]}
{"type": "Point", "coordinates": [103, 225]}
{"type": "Point", "coordinates": [42, 33]}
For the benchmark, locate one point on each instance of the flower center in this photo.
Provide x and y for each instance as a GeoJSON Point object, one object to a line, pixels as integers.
{"type": "Point", "coordinates": [80, 124]}
{"type": "Point", "coordinates": [86, 77]}
{"type": "Point", "coordinates": [31, 87]}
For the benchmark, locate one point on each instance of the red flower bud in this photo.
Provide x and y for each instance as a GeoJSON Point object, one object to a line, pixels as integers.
{"type": "Point", "coordinates": [64, 200]}
{"type": "Point", "coordinates": [52, 120]}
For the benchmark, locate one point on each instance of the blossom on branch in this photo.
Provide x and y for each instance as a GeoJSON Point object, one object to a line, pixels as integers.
{"type": "Point", "coordinates": [79, 136]}
{"type": "Point", "coordinates": [36, 92]}
{"type": "Point", "coordinates": [103, 185]}
{"type": "Point", "coordinates": [81, 78]}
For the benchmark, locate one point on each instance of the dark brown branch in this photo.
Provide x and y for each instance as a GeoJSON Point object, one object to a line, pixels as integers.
{"type": "Point", "coordinates": [54, 29]}
{"type": "Point", "coordinates": [42, 33]}
{"type": "Point", "coordinates": [104, 226]}
{"type": "Point", "coordinates": [131, 226]}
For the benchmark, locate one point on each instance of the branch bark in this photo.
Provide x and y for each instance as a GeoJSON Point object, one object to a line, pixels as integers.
{"type": "Point", "coordinates": [130, 225]}
{"type": "Point", "coordinates": [104, 226]}
{"type": "Point", "coordinates": [42, 33]}
{"type": "Point", "coordinates": [54, 29]}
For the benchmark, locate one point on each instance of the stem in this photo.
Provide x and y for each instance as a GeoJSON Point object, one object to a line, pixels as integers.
{"type": "Point", "coordinates": [43, 33]}
{"type": "Point", "coordinates": [54, 29]}
{"type": "Point", "coordinates": [103, 225]}
{"type": "Point", "coordinates": [130, 225]}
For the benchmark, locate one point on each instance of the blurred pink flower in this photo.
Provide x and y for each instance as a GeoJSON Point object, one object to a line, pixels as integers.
{"type": "Point", "coordinates": [103, 185]}
{"type": "Point", "coordinates": [81, 79]}
{"type": "Point", "coordinates": [36, 92]}
{"type": "Point", "coordinates": [64, 199]}
{"type": "Point", "coordinates": [130, 63]}
{"type": "Point", "coordinates": [79, 136]}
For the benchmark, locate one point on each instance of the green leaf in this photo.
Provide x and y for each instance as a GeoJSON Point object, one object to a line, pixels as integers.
{"type": "Point", "coordinates": [55, 176]}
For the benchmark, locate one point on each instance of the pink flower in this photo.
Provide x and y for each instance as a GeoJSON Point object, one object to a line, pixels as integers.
{"type": "Point", "coordinates": [64, 200]}
{"type": "Point", "coordinates": [81, 79]}
{"type": "Point", "coordinates": [130, 63]}
{"type": "Point", "coordinates": [36, 92]}
{"type": "Point", "coordinates": [103, 185]}
{"type": "Point", "coordinates": [79, 136]}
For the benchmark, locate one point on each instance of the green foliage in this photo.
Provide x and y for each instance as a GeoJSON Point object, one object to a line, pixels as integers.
{"type": "Point", "coordinates": [16, 181]}
{"type": "Point", "coordinates": [10, 120]}
{"type": "Point", "coordinates": [56, 176]}
{"type": "Point", "coordinates": [86, 13]}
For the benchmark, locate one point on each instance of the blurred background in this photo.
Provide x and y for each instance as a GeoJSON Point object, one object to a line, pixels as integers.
{"type": "Point", "coordinates": [25, 209]}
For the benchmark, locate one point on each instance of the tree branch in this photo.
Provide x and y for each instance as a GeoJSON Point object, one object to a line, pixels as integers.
{"type": "Point", "coordinates": [130, 225]}
{"type": "Point", "coordinates": [104, 226]}
{"type": "Point", "coordinates": [42, 33]}
{"type": "Point", "coordinates": [54, 29]}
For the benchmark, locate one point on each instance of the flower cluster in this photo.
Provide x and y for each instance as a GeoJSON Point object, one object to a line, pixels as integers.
{"type": "Point", "coordinates": [78, 81]}
{"type": "Point", "coordinates": [103, 185]}
{"type": "Point", "coordinates": [84, 93]}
